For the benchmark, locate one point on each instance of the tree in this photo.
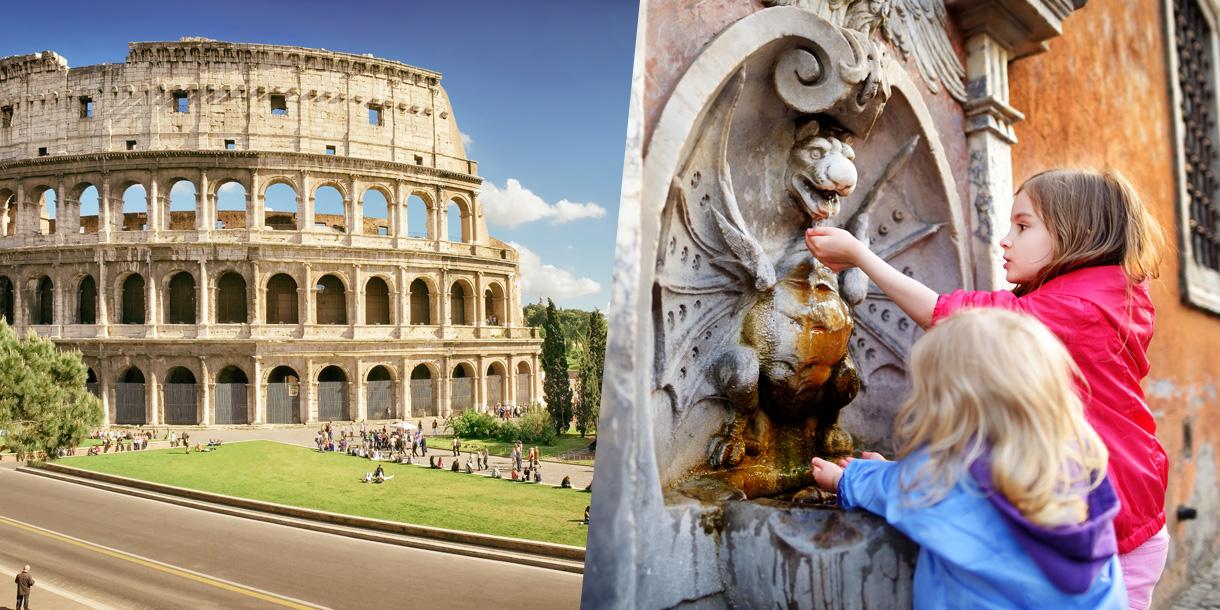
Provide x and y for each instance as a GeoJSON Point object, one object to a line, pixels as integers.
{"type": "Point", "coordinates": [555, 388]}
{"type": "Point", "coordinates": [591, 374]}
{"type": "Point", "coordinates": [44, 404]}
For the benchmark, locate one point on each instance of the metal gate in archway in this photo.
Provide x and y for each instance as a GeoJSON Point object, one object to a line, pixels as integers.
{"type": "Point", "coordinates": [332, 400]}
{"type": "Point", "coordinates": [461, 395]}
{"type": "Point", "coordinates": [232, 406]}
{"type": "Point", "coordinates": [283, 403]}
{"type": "Point", "coordinates": [523, 390]}
{"type": "Point", "coordinates": [379, 399]}
{"type": "Point", "coordinates": [495, 390]}
{"type": "Point", "coordinates": [423, 403]}
{"type": "Point", "coordinates": [130, 405]}
{"type": "Point", "coordinates": [181, 404]}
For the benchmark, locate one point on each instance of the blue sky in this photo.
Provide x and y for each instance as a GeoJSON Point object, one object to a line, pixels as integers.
{"type": "Point", "coordinates": [539, 87]}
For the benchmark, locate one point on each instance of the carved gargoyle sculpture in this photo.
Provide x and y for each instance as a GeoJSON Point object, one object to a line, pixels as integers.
{"type": "Point", "coordinates": [785, 370]}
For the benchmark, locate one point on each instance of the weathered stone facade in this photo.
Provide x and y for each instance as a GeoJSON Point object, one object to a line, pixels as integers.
{"type": "Point", "coordinates": [254, 315]}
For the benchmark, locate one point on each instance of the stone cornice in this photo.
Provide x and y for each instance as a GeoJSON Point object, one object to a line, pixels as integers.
{"type": "Point", "coordinates": [15, 66]}
{"type": "Point", "coordinates": [258, 159]}
{"type": "Point", "coordinates": [204, 51]}
{"type": "Point", "coordinates": [1021, 26]}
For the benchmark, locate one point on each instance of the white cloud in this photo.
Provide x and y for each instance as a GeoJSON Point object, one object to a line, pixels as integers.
{"type": "Point", "coordinates": [548, 281]}
{"type": "Point", "coordinates": [516, 205]}
{"type": "Point", "coordinates": [466, 141]}
{"type": "Point", "coordinates": [230, 188]}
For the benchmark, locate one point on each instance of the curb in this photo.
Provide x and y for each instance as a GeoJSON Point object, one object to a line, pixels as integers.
{"type": "Point", "coordinates": [559, 557]}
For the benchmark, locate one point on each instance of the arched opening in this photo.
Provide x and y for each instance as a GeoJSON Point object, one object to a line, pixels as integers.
{"type": "Point", "coordinates": [231, 394]}
{"type": "Point", "coordinates": [493, 305]}
{"type": "Point", "coordinates": [458, 221]}
{"type": "Point", "coordinates": [48, 204]}
{"type": "Point", "coordinates": [86, 301]}
{"type": "Point", "coordinates": [283, 396]}
{"type": "Point", "coordinates": [376, 212]}
{"type": "Point", "coordinates": [461, 305]}
{"type": "Point", "coordinates": [331, 301]}
{"type": "Point", "coordinates": [231, 299]}
{"type": "Point", "coordinates": [376, 302]}
{"type": "Point", "coordinates": [495, 385]}
{"type": "Point", "coordinates": [231, 205]}
{"type": "Point", "coordinates": [182, 200]}
{"type": "Point", "coordinates": [282, 300]}
{"type": "Point", "coordinates": [280, 207]}
{"type": "Point", "coordinates": [182, 298]}
{"type": "Point", "coordinates": [91, 383]}
{"type": "Point", "coordinates": [379, 393]}
{"type": "Point", "coordinates": [129, 398]}
{"type": "Point", "coordinates": [329, 211]}
{"type": "Point", "coordinates": [417, 218]}
{"type": "Point", "coordinates": [332, 394]}
{"type": "Point", "coordinates": [461, 388]}
{"type": "Point", "coordinates": [6, 299]}
{"type": "Point", "coordinates": [133, 300]}
{"type": "Point", "coordinates": [43, 310]}
{"type": "Point", "coordinates": [89, 210]}
{"type": "Point", "coordinates": [181, 398]}
{"type": "Point", "coordinates": [135, 208]}
{"type": "Point", "coordinates": [8, 213]}
{"type": "Point", "coordinates": [423, 399]}
{"type": "Point", "coordinates": [421, 307]}
{"type": "Point", "coordinates": [525, 395]}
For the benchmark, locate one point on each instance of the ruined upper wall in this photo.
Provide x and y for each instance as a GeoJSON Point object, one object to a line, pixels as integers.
{"type": "Point", "coordinates": [230, 88]}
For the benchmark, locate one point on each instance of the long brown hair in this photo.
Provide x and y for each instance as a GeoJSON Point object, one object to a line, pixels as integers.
{"type": "Point", "coordinates": [1094, 218]}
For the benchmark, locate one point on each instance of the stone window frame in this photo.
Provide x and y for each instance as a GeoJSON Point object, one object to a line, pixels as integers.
{"type": "Point", "coordinates": [182, 102]}
{"type": "Point", "coordinates": [1200, 285]}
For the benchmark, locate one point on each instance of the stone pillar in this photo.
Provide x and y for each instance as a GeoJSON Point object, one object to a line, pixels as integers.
{"type": "Point", "coordinates": [309, 317]}
{"type": "Point", "coordinates": [59, 296]}
{"type": "Point", "coordinates": [103, 297]}
{"type": "Point", "coordinates": [205, 393]}
{"type": "Point", "coordinates": [255, 205]}
{"type": "Point", "coordinates": [510, 313]}
{"type": "Point", "coordinates": [354, 207]}
{"type": "Point", "coordinates": [398, 218]}
{"type": "Point", "coordinates": [24, 225]}
{"type": "Point", "coordinates": [355, 305]}
{"type": "Point", "coordinates": [480, 306]}
{"type": "Point", "coordinates": [480, 385]}
{"type": "Point", "coordinates": [259, 384]}
{"type": "Point", "coordinates": [156, 212]}
{"type": "Point", "coordinates": [152, 398]}
{"type": "Point", "coordinates": [151, 310]}
{"type": "Point", "coordinates": [305, 205]}
{"type": "Point", "coordinates": [404, 389]}
{"type": "Point", "coordinates": [105, 220]}
{"type": "Point", "coordinates": [103, 391]}
{"type": "Point", "coordinates": [309, 394]}
{"type": "Point", "coordinates": [442, 398]}
{"type": "Point", "coordinates": [203, 305]}
{"type": "Point", "coordinates": [260, 296]}
{"type": "Point", "coordinates": [402, 301]}
{"type": "Point", "coordinates": [443, 295]}
{"type": "Point", "coordinates": [358, 386]}
{"type": "Point", "coordinates": [205, 204]}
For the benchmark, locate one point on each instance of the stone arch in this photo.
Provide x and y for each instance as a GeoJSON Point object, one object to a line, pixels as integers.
{"type": "Point", "coordinates": [462, 229]}
{"type": "Point", "coordinates": [232, 305]}
{"type": "Point", "coordinates": [525, 383]}
{"type": "Point", "coordinates": [130, 402]}
{"type": "Point", "coordinates": [331, 300]}
{"type": "Point", "coordinates": [423, 380]}
{"type": "Point", "coordinates": [282, 300]}
{"type": "Point", "coordinates": [494, 305]}
{"type": "Point", "coordinates": [42, 306]}
{"type": "Point", "coordinates": [375, 206]}
{"type": "Point", "coordinates": [8, 212]}
{"type": "Point", "coordinates": [283, 395]}
{"type": "Point", "coordinates": [181, 396]}
{"type": "Point", "coordinates": [135, 209]}
{"type": "Point", "coordinates": [231, 396]}
{"type": "Point", "coordinates": [496, 382]}
{"type": "Point", "coordinates": [461, 303]}
{"type": "Point", "coordinates": [132, 292]}
{"type": "Point", "coordinates": [462, 387]}
{"type": "Point", "coordinates": [86, 199]}
{"type": "Point", "coordinates": [180, 298]}
{"type": "Point", "coordinates": [418, 208]}
{"type": "Point", "coordinates": [421, 295]}
{"type": "Point", "coordinates": [332, 382]}
{"type": "Point", "coordinates": [380, 400]}
{"type": "Point", "coordinates": [281, 208]}
{"type": "Point", "coordinates": [8, 303]}
{"type": "Point", "coordinates": [330, 211]}
{"type": "Point", "coordinates": [232, 203]}
{"type": "Point", "coordinates": [377, 308]}
{"type": "Point", "coordinates": [183, 204]}
{"type": "Point", "coordinates": [46, 202]}
{"type": "Point", "coordinates": [86, 300]}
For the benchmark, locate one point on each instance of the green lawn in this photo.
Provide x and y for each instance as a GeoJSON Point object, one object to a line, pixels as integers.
{"type": "Point", "coordinates": [563, 444]}
{"type": "Point", "coordinates": [297, 476]}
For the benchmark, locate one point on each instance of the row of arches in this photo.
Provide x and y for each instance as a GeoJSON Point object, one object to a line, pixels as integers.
{"type": "Point", "coordinates": [180, 298]}
{"type": "Point", "coordinates": [231, 393]}
{"type": "Point", "coordinates": [229, 207]}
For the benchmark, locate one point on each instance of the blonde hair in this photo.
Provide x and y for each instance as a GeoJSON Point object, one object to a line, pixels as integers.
{"type": "Point", "coordinates": [1094, 218]}
{"type": "Point", "coordinates": [992, 380]}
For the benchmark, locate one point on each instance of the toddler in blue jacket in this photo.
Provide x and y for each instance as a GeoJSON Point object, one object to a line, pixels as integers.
{"type": "Point", "coordinates": [1000, 479]}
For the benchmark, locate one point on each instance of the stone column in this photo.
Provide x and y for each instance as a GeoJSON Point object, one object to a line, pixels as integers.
{"type": "Point", "coordinates": [59, 296]}
{"type": "Point", "coordinates": [442, 398]}
{"type": "Point", "coordinates": [259, 291]}
{"type": "Point", "coordinates": [205, 393]}
{"type": "Point", "coordinates": [205, 204]}
{"type": "Point", "coordinates": [354, 206]}
{"type": "Point", "coordinates": [255, 205]}
{"type": "Point", "coordinates": [309, 394]}
{"type": "Point", "coordinates": [398, 218]}
{"type": "Point", "coordinates": [358, 386]}
{"type": "Point", "coordinates": [480, 385]}
{"type": "Point", "coordinates": [305, 205]}
{"type": "Point", "coordinates": [203, 305]}
{"type": "Point", "coordinates": [151, 310]}
{"type": "Point", "coordinates": [443, 295]}
{"type": "Point", "coordinates": [103, 296]}
{"type": "Point", "coordinates": [404, 389]}
{"type": "Point", "coordinates": [259, 384]}
{"type": "Point", "coordinates": [510, 313]}
{"type": "Point", "coordinates": [480, 306]}
{"type": "Point", "coordinates": [309, 317]}
{"type": "Point", "coordinates": [156, 215]}
{"type": "Point", "coordinates": [24, 225]}
{"type": "Point", "coordinates": [402, 300]}
{"type": "Point", "coordinates": [103, 391]}
{"type": "Point", "coordinates": [152, 398]}
{"type": "Point", "coordinates": [105, 220]}
{"type": "Point", "coordinates": [355, 305]}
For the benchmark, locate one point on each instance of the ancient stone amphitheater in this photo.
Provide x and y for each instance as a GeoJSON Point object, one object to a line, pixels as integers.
{"type": "Point", "coordinates": [255, 234]}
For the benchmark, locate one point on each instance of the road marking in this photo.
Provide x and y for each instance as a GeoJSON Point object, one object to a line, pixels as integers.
{"type": "Point", "coordinates": [53, 589]}
{"type": "Point", "coordinates": [212, 581]}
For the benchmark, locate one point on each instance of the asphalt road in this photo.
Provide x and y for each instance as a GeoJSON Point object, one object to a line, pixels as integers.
{"type": "Point", "coordinates": [93, 548]}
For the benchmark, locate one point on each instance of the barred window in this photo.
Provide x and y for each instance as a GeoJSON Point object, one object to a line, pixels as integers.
{"type": "Point", "coordinates": [1198, 105]}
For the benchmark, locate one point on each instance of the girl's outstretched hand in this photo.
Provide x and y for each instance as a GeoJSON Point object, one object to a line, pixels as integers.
{"type": "Point", "coordinates": [864, 455]}
{"type": "Point", "coordinates": [835, 248]}
{"type": "Point", "coordinates": [826, 474]}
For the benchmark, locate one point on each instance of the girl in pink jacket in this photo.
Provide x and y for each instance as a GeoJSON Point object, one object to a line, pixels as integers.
{"type": "Point", "coordinates": [1080, 251]}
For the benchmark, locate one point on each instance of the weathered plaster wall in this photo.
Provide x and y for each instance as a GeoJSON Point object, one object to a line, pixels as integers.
{"type": "Point", "coordinates": [1100, 98]}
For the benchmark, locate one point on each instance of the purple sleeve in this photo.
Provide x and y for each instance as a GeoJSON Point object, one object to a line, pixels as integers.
{"type": "Point", "coordinates": [948, 304]}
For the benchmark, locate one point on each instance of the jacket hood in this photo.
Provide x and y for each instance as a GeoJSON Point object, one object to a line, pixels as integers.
{"type": "Point", "coordinates": [1069, 555]}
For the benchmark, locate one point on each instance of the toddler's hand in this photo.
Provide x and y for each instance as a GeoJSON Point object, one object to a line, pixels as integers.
{"type": "Point", "coordinates": [826, 474]}
{"type": "Point", "coordinates": [864, 455]}
{"type": "Point", "coordinates": [836, 248]}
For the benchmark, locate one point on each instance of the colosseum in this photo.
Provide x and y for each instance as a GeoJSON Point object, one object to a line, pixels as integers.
{"type": "Point", "coordinates": [255, 234]}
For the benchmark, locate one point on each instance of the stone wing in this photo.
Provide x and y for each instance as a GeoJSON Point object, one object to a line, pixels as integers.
{"type": "Point", "coordinates": [917, 27]}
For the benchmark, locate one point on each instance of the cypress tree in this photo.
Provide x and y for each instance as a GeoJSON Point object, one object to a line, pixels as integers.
{"type": "Point", "coordinates": [555, 388]}
{"type": "Point", "coordinates": [591, 374]}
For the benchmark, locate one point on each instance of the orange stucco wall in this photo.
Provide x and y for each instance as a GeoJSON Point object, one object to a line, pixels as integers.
{"type": "Point", "coordinates": [1101, 98]}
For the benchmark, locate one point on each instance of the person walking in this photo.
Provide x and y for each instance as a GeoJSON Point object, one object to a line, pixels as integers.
{"type": "Point", "coordinates": [25, 582]}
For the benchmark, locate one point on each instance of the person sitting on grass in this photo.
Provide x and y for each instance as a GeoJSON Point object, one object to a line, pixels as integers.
{"type": "Point", "coordinates": [537, 475]}
{"type": "Point", "coordinates": [586, 519]}
{"type": "Point", "coordinates": [469, 465]}
{"type": "Point", "coordinates": [516, 475]}
{"type": "Point", "coordinates": [566, 483]}
{"type": "Point", "coordinates": [94, 450]}
{"type": "Point", "coordinates": [455, 466]}
{"type": "Point", "coordinates": [495, 473]}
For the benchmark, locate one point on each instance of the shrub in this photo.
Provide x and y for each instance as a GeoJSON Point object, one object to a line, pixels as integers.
{"type": "Point", "coordinates": [472, 424]}
{"type": "Point", "coordinates": [534, 428]}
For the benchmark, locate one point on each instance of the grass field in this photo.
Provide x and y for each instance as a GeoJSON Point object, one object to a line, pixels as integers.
{"type": "Point", "coordinates": [563, 444]}
{"type": "Point", "coordinates": [297, 476]}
